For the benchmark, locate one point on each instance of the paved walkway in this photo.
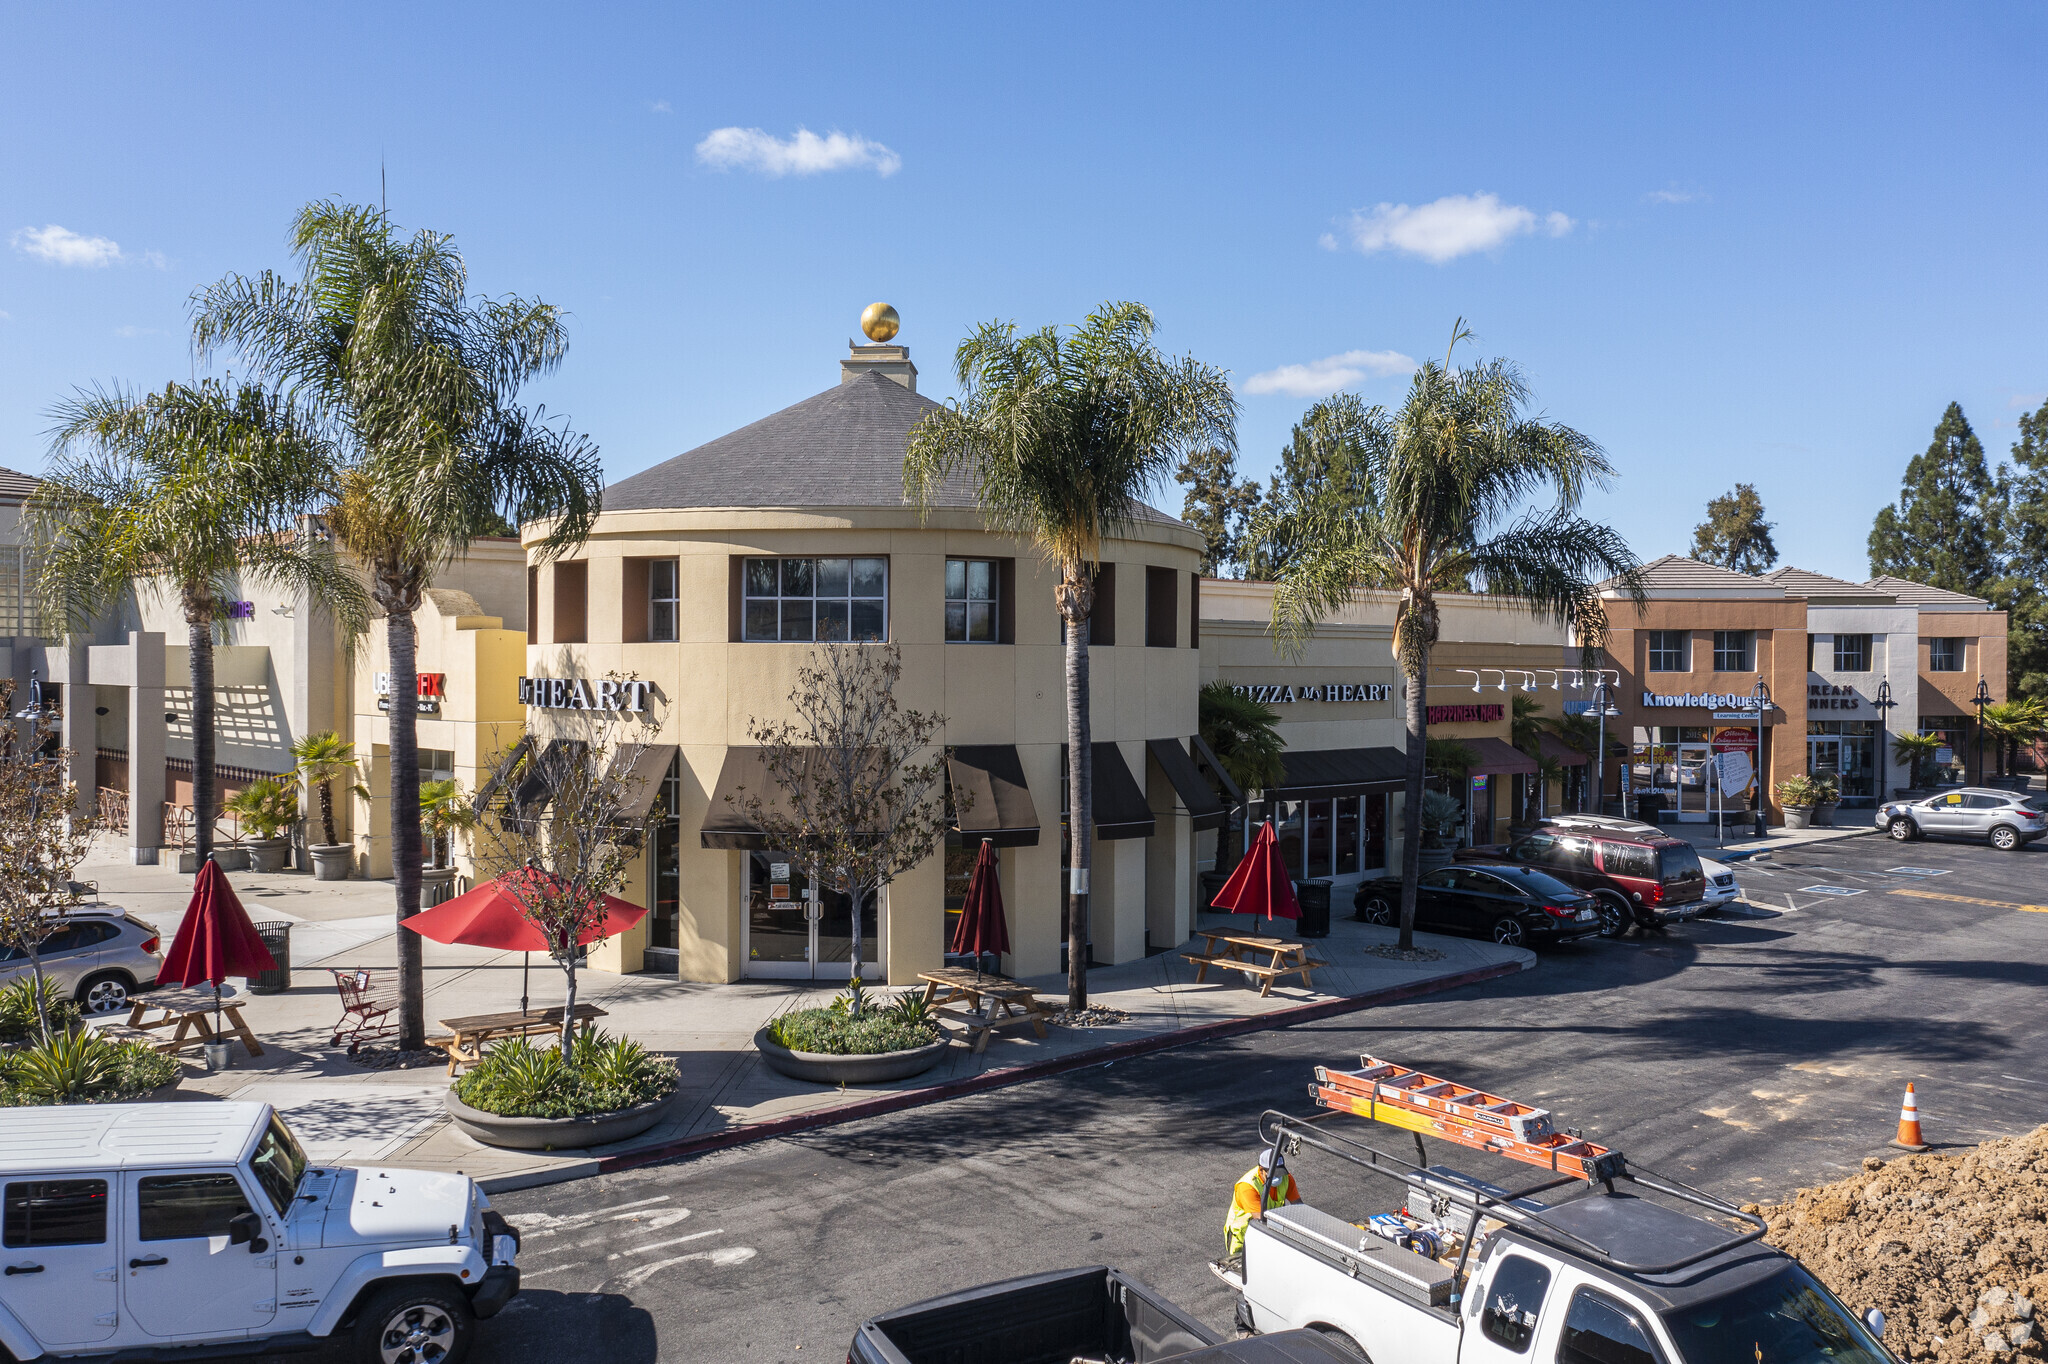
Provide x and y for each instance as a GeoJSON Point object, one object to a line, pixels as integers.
{"type": "Point", "coordinates": [1739, 843]}
{"type": "Point", "coordinates": [347, 1113]}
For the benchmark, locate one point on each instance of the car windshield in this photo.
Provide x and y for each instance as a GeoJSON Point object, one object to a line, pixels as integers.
{"type": "Point", "coordinates": [279, 1162]}
{"type": "Point", "coordinates": [1785, 1319]}
{"type": "Point", "coordinates": [1680, 864]}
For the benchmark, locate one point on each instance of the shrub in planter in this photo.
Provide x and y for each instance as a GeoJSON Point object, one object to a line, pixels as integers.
{"type": "Point", "coordinates": [82, 1068]}
{"type": "Point", "coordinates": [875, 1030]}
{"type": "Point", "coordinates": [601, 1074]}
{"type": "Point", "coordinates": [267, 809]}
{"type": "Point", "coordinates": [18, 1022]}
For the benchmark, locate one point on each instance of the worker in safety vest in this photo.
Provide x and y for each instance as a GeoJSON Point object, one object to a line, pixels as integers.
{"type": "Point", "coordinates": [1266, 1185]}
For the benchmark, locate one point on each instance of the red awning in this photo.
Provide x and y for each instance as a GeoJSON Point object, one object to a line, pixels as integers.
{"type": "Point", "coordinates": [1495, 755]}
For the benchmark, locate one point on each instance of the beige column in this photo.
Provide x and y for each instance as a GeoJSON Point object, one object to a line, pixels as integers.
{"type": "Point", "coordinates": [145, 746]}
{"type": "Point", "coordinates": [80, 734]}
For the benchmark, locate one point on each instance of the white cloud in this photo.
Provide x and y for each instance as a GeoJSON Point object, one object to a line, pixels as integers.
{"type": "Point", "coordinates": [2016, 400]}
{"type": "Point", "coordinates": [805, 154]}
{"type": "Point", "coordinates": [1320, 378]}
{"type": "Point", "coordinates": [62, 246]}
{"type": "Point", "coordinates": [1453, 226]}
{"type": "Point", "coordinates": [130, 331]}
{"type": "Point", "coordinates": [1674, 196]}
{"type": "Point", "coordinates": [660, 106]}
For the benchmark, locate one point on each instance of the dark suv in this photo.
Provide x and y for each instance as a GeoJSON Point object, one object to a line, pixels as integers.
{"type": "Point", "coordinates": [1633, 876]}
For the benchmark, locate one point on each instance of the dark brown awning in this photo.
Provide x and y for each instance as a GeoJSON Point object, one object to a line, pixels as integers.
{"type": "Point", "coordinates": [1206, 759]}
{"type": "Point", "coordinates": [1121, 810]}
{"type": "Point", "coordinates": [646, 765]}
{"type": "Point", "coordinates": [1188, 783]}
{"type": "Point", "coordinates": [1562, 753]}
{"type": "Point", "coordinates": [1497, 755]}
{"type": "Point", "coordinates": [489, 790]}
{"type": "Point", "coordinates": [1001, 809]}
{"type": "Point", "coordinates": [743, 773]}
{"type": "Point", "coordinates": [1318, 773]}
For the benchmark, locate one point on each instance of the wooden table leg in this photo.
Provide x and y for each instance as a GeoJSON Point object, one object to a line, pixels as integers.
{"type": "Point", "coordinates": [931, 987]}
{"type": "Point", "coordinates": [241, 1030]}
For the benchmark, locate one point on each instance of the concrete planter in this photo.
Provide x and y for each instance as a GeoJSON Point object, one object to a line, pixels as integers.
{"type": "Point", "coordinates": [1824, 816]}
{"type": "Point", "coordinates": [1432, 858]}
{"type": "Point", "coordinates": [555, 1134]}
{"type": "Point", "coordinates": [332, 861]}
{"type": "Point", "coordinates": [160, 1095]}
{"type": "Point", "coordinates": [269, 854]}
{"type": "Point", "coordinates": [1798, 816]}
{"type": "Point", "coordinates": [436, 885]}
{"type": "Point", "coordinates": [831, 1069]}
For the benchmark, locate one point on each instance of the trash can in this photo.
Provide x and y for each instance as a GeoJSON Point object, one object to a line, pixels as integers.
{"type": "Point", "coordinates": [277, 938]}
{"type": "Point", "coordinates": [1212, 882]}
{"type": "Point", "coordinates": [1650, 807]}
{"type": "Point", "coordinates": [1314, 898]}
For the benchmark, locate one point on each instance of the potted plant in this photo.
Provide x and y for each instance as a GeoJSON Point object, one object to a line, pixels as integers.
{"type": "Point", "coordinates": [1439, 819]}
{"type": "Point", "coordinates": [444, 811]}
{"type": "Point", "coordinates": [1797, 795]}
{"type": "Point", "coordinates": [76, 1065]}
{"type": "Point", "coordinates": [1827, 794]}
{"type": "Point", "coordinates": [1916, 751]}
{"type": "Point", "coordinates": [530, 1098]}
{"type": "Point", "coordinates": [325, 758]}
{"type": "Point", "coordinates": [855, 1040]}
{"type": "Point", "coordinates": [267, 809]}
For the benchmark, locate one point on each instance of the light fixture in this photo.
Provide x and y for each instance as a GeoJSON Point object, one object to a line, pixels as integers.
{"type": "Point", "coordinates": [170, 717]}
{"type": "Point", "coordinates": [1475, 677]}
{"type": "Point", "coordinates": [285, 611]}
{"type": "Point", "coordinates": [99, 710]}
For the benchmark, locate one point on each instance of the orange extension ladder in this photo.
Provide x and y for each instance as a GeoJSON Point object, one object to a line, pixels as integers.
{"type": "Point", "coordinates": [1433, 1107]}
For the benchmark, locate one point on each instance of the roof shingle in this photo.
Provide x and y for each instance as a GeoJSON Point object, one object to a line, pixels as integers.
{"type": "Point", "coordinates": [1675, 573]}
{"type": "Point", "coordinates": [1909, 593]}
{"type": "Point", "coordinates": [1800, 582]}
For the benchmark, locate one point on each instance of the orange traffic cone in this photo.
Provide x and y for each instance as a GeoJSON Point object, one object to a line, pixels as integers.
{"type": "Point", "coordinates": [1909, 1125]}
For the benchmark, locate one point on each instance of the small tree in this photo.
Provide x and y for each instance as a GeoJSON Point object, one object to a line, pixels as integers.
{"type": "Point", "coordinates": [1914, 749]}
{"type": "Point", "coordinates": [860, 793]}
{"type": "Point", "coordinates": [445, 811]}
{"type": "Point", "coordinates": [1245, 737]}
{"type": "Point", "coordinates": [553, 826]}
{"type": "Point", "coordinates": [1735, 534]}
{"type": "Point", "coordinates": [41, 844]}
{"type": "Point", "coordinates": [325, 758]}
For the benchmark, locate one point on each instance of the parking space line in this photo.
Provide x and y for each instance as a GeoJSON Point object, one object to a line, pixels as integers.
{"type": "Point", "coordinates": [1839, 891]}
{"type": "Point", "coordinates": [1973, 900]}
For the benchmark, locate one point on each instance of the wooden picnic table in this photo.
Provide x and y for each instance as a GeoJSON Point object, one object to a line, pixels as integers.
{"type": "Point", "coordinates": [470, 1035]}
{"type": "Point", "coordinates": [1228, 949]}
{"type": "Point", "coordinates": [190, 1012]}
{"type": "Point", "coordinates": [983, 1002]}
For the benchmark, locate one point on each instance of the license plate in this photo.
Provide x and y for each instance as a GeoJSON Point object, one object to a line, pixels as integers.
{"type": "Point", "coordinates": [1586, 916]}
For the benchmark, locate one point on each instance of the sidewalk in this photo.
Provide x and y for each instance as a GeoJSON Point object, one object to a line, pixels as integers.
{"type": "Point", "coordinates": [346, 1113]}
{"type": "Point", "coordinates": [1742, 843]}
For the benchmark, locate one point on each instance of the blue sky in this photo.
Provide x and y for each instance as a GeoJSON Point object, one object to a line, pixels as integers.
{"type": "Point", "coordinates": [1757, 243]}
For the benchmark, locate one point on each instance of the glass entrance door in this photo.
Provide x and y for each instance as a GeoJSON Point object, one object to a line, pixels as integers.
{"type": "Point", "coordinates": [1824, 758]}
{"type": "Point", "coordinates": [1692, 782]}
{"type": "Point", "coordinates": [794, 935]}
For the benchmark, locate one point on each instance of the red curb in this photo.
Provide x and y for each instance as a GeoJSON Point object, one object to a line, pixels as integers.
{"type": "Point", "coordinates": [1039, 1070]}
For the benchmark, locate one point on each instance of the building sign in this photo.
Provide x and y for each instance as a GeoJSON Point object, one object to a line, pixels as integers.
{"type": "Point", "coordinates": [576, 693]}
{"type": "Point", "coordinates": [1463, 715]}
{"type": "Point", "coordinates": [1829, 696]}
{"type": "Point", "coordinates": [1282, 694]}
{"type": "Point", "coordinates": [1719, 700]}
{"type": "Point", "coordinates": [241, 610]}
{"type": "Point", "coordinates": [433, 689]}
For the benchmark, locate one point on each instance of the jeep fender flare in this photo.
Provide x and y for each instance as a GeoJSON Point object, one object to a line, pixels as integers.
{"type": "Point", "coordinates": [14, 1337]}
{"type": "Point", "coordinates": [459, 1264]}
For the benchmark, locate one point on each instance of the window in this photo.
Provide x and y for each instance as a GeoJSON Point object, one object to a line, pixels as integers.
{"type": "Point", "coordinates": [973, 592]}
{"type": "Point", "coordinates": [663, 601]}
{"type": "Point", "coordinates": [1194, 610]}
{"type": "Point", "coordinates": [77, 936]}
{"type": "Point", "coordinates": [572, 600]}
{"type": "Point", "coordinates": [1852, 653]}
{"type": "Point", "coordinates": [1512, 1301]}
{"type": "Point", "coordinates": [532, 621]}
{"type": "Point", "coordinates": [1668, 650]}
{"type": "Point", "coordinates": [1945, 655]}
{"type": "Point", "coordinates": [821, 599]}
{"type": "Point", "coordinates": [1162, 607]}
{"type": "Point", "coordinates": [1599, 1330]}
{"type": "Point", "coordinates": [1802, 1320]}
{"type": "Point", "coordinates": [187, 1207]}
{"type": "Point", "coordinates": [437, 764]}
{"type": "Point", "coordinates": [280, 1163]}
{"type": "Point", "coordinates": [1628, 859]}
{"type": "Point", "coordinates": [56, 1212]}
{"type": "Point", "coordinates": [1734, 651]}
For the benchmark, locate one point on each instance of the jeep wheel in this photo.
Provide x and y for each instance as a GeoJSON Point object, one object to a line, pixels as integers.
{"type": "Point", "coordinates": [2005, 838]}
{"type": "Point", "coordinates": [104, 993]}
{"type": "Point", "coordinates": [1614, 914]}
{"type": "Point", "coordinates": [1376, 910]}
{"type": "Point", "coordinates": [1901, 829]}
{"type": "Point", "coordinates": [415, 1323]}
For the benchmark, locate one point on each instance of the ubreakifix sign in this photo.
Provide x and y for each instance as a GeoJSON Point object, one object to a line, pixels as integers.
{"type": "Point", "coordinates": [1717, 700]}
{"type": "Point", "coordinates": [433, 690]}
{"type": "Point", "coordinates": [1283, 693]}
{"type": "Point", "coordinates": [577, 693]}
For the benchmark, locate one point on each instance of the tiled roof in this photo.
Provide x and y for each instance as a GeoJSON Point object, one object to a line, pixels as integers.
{"type": "Point", "coordinates": [15, 486]}
{"type": "Point", "coordinates": [1909, 593]}
{"type": "Point", "coordinates": [1799, 582]}
{"type": "Point", "coordinates": [1675, 573]}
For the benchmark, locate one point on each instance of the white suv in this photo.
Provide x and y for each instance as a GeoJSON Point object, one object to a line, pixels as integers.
{"type": "Point", "coordinates": [133, 1228]}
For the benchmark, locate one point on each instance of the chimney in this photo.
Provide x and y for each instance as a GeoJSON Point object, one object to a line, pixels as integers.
{"type": "Point", "coordinates": [892, 362]}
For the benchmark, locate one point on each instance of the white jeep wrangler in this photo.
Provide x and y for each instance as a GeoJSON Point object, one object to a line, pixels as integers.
{"type": "Point", "coordinates": [166, 1230]}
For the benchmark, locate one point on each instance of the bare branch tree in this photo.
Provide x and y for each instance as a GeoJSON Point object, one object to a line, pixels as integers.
{"type": "Point", "coordinates": [41, 843]}
{"type": "Point", "coordinates": [860, 792]}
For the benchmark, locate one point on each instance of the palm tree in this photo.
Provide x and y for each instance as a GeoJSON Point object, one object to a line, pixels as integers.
{"type": "Point", "coordinates": [2012, 723]}
{"type": "Point", "coordinates": [1244, 736]}
{"type": "Point", "coordinates": [417, 381]}
{"type": "Point", "coordinates": [322, 759]}
{"type": "Point", "coordinates": [1914, 749]}
{"type": "Point", "coordinates": [1062, 435]}
{"type": "Point", "coordinates": [1450, 474]}
{"type": "Point", "coordinates": [192, 491]}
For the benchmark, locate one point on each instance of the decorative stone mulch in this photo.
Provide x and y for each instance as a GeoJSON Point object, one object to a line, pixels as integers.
{"type": "Point", "coordinates": [1392, 953]}
{"type": "Point", "coordinates": [391, 1058]}
{"type": "Point", "coordinates": [1094, 1016]}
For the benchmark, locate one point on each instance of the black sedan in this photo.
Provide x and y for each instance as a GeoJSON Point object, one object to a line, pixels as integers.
{"type": "Point", "coordinates": [1511, 904]}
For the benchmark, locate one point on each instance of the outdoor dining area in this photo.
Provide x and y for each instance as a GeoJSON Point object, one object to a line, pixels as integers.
{"type": "Point", "coordinates": [1260, 886]}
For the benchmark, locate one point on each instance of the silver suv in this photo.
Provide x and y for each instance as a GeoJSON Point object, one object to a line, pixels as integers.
{"type": "Point", "coordinates": [99, 957]}
{"type": "Point", "coordinates": [2004, 819]}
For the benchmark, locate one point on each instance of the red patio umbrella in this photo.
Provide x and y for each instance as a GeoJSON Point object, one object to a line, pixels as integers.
{"type": "Point", "coordinates": [215, 939]}
{"type": "Point", "coordinates": [981, 927]}
{"type": "Point", "coordinates": [490, 915]}
{"type": "Point", "coordinates": [1260, 885]}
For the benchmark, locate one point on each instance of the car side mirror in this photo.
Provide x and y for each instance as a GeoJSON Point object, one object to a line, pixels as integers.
{"type": "Point", "coordinates": [1874, 1319]}
{"type": "Point", "coordinates": [246, 1228]}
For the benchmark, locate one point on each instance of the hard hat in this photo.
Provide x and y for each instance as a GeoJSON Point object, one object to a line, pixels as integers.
{"type": "Point", "coordinates": [1266, 1158]}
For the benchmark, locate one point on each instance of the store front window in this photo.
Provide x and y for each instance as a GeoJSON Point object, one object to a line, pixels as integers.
{"type": "Point", "coordinates": [816, 599]}
{"type": "Point", "coordinates": [1672, 761]}
{"type": "Point", "coordinates": [1344, 836]}
{"type": "Point", "coordinates": [1948, 766]}
{"type": "Point", "coordinates": [664, 924]}
{"type": "Point", "coordinates": [1847, 751]}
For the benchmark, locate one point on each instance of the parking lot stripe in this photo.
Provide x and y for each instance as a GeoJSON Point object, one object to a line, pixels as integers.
{"type": "Point", "coordinates": [1973, 900]}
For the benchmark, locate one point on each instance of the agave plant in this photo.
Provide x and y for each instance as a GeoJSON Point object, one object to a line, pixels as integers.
{"type": "Point", "coordinates": [68, 1068]}
{"type": "Point", "coordinates": [19, 1016]}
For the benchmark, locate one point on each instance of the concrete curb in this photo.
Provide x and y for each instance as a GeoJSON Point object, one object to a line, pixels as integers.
{"type": "Point", "coordinates": [1769, 854]}
{"type": "Point", "coordinates": [1000, 1079]}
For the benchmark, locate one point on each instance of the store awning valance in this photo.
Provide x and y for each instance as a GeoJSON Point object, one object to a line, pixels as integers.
{"type": "Point", "coordinates": [743, 774]}
{"type": "Point", "coordinates": [1001, 809]}
{"type": "Point", "coordinates": [1206, 759]}
{"type": "Point", "coordinates": [646, 767]}
{"type": "Point", "coordinates": [1496, 755]}
{"type": "Point", "coordinates": [1562, 753]}
{"type": "Point", "coordinates": [1188, 783]}
{"type": "Point", "coordinates": [1319, 773]}
{"type": "Point", "coordinates": [1121, 810]}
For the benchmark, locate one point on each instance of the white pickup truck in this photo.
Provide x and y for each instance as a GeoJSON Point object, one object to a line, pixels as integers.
{"type": "Point", "coordinates": [1494, 1276]}
{"type": "Point", "coordinates": [163, 1230]}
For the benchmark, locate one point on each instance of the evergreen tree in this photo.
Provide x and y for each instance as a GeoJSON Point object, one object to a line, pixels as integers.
{"type": "Point", "coordinates": [1320, 457]}
{"type": "Point", "coordinates": [1943, 531]}
{"type": "Point", "coordinates": [2023, 523]}
{"type": "Point", "coordinates": [1735, 534]}
{"type": "Point", "coordinates": [1217, 505]}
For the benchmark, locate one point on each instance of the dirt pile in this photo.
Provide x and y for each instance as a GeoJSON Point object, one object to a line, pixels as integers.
{"type": "Point", "coordinates": [1953, 1249]}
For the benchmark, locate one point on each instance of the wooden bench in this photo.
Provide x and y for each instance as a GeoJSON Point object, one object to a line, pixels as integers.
{"type": "Point", "coordinates": [1284, 958]}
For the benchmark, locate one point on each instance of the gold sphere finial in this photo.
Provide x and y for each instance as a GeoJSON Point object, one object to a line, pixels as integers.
{"type": "Point", "coordinates": [879, 321]}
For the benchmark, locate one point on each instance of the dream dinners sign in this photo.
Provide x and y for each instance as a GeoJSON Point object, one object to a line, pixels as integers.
{"type": "Point", "coordinates": [1286, 694]}
{"type": "Point", "coordinates": [576, 693]}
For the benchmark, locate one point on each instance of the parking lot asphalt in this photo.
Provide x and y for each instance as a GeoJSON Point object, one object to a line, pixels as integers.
{"type": "Point", "coordinates": [1748, 1054]}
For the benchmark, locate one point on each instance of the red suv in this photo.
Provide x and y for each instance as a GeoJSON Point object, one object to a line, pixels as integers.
{"type": "Point", "coordinates": [1648, 878]}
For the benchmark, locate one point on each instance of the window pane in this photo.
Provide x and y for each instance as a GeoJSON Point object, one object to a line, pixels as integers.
{"type": "Point", "coordinates": [661, 624]}
{"type": "Point", "coordinates": [867, 620]}
{"type": "Point", "coordinates": [1347, 835]}
{"type": "Point", "coordinates": [832, 577]}
{"type": "Point", "coordinates": [796, 620]}
{"type": "Point", "coordinates": [981, 622]}
{"type": "Point", "coordinates": [981, 580]}
{"type": "Point", "coordinates": [956, 621]}
{"type": "Point", "coordinates": [1599, 1330]}
{"type": "Point", "coordinates": [1512, 1302]}
{"type": "Point", "coordinates": [661, 578]}
{"type": "Point", "coordinates": [56, 1212]}
{"type": "Point", "coordinates": [832, 620]}
{"type": "Point", "coordinates": [956, 580]}
{"type": "Point", "coordinates": [761, 620]}
{"type": "Point", "coordinates": [760, 577]}
{"type": "Point", "coordinates": [870, 577]}
{"type": "Point", "coordinates": [185, 1207]}
{"type": "Point", "coordinates": [796, 577]}
{"type": "Point", "coordinates": [279, 1163]}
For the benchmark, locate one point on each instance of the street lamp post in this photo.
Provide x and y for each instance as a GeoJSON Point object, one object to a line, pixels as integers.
{"type": "Point", "coordinates": [1982, 699]}
{"type": "Point", "coordinates": [1760, 697]}
{"type": "Point", "coordinates": [1882, 762]}
{"type": "Point", "coordinates": [1603, 702]}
